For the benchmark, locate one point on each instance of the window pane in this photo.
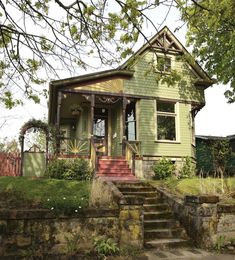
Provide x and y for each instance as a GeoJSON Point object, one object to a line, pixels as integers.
{"type": "Point", "coordinates": [130, 122]}
{"type": "Point", "coordinates": [163, 63]}
{"type": "Point", "coordinates": [99, 127]}
{"type": "Point", "coordinates": [166, 107]}
{"type": "Point", "coordinates": [131, 131]}
{"type": "Point", "coordinates": [166, 128]}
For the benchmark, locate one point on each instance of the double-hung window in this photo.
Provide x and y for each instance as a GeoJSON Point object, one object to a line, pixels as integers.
{"type": "Point", "coordinates": [131, 122]}
{"type": "Point", "coordinates": [166, 121]}
{"type": "Point", "coordinates": [163, 64]}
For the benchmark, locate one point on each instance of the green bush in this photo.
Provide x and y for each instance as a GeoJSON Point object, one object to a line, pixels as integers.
{"type": "Point", "coordinates": [163, 169]}
{"type": "Point", "coordinates": [188, 169]}
{"type": "Point", "coordinates": [69, 169]}
{"type": "Point", "coordinates": [105, 246]}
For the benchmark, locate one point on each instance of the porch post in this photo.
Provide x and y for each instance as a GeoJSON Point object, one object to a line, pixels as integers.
{"type": "Point", "coordinates": [124, 103]}
{"type": "Point", "coordinates": [59, 98]}
{"type": "Point", "coordinates": [92, 113]}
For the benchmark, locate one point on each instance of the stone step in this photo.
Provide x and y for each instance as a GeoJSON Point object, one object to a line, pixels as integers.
{"type": "Point", "coordinates": [166, 243]}
{"type": "Point", "coordinates": [114, 178]}
{"type": "Point", "coordinates": [98, 174]}
{"type": "Point", "coordinates": [153, 200]}
{"type": "Point", "coordinates": [149, 234]}
{"type": "Point", "coordinates": [161, 223]}
{"type": "Point", "coordinates": [130, 185]}
{"type": "Point", "coordinates": [141, 193]}
{"type": "Point", "coordinates": [137, 189]}
{"type": "Point", "coordinates": [156, 207]}
{"type": "Point", "coordinates": [165, 214]}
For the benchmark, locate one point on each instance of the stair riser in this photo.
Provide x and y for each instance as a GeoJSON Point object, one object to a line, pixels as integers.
{"type": "Point", "coordinates": [163, 234]}
{"type": "Point", "coordinates": [163, 224]}
{"type": "Point", "coordinates": [149, 245]}
{"type": "Point", "coordinates": [116, 175]}
{"type": "Point", "coordinates": [116, 168]}
{"type": "Point", "coordinates": [161, 215]}
{"type": "Point", "coordinates": [114, 162]}
{"type": "Point", "coordinates": [155, 200]}
{"type": "Point", "coordinates": [119, 178]}
{"type": "Point", "coordinates": [136, 189]}
{"type": "Point", "coordinates": [111, 171]}
{"type": "Point", "coordinates": [143, 194]}
{"type": "Point", "coordinates": [149, 208]}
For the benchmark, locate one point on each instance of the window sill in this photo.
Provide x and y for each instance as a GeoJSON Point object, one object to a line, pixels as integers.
{"type": "Point", "coordinates": [167, 142]}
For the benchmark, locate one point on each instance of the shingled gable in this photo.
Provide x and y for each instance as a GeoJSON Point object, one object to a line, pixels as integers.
{"type": "Point", "coordinates": [165, 41]}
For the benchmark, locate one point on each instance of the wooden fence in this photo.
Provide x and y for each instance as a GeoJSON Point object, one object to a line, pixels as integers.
{"type": "Point", "coordinates": [10, 164]}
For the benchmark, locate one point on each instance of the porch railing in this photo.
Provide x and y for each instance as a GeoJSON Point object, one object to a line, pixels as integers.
{"type": "Point", "coordinates": [132, 150]}
{"type": "Point", "coordinates": [74, 147]}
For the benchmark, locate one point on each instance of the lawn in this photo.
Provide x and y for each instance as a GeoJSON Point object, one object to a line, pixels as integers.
{"type": "Point", "coordinates": [200, 186]}
{"type": "Point", "coordinates": [57, 195]}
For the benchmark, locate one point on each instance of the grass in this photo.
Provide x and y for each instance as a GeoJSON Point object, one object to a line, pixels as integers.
{"type": "Point", "coordinates": [58, 195]}
{"type": "Point", "coordinates": [201, 186]}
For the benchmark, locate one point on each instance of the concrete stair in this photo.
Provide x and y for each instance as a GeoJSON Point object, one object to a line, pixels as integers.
{"type": "Point", "coordinates": [114, 169]}
{"type": "Point", "coordinates": [161, 229]}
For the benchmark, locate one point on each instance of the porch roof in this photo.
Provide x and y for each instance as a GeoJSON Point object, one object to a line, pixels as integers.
{"type": "Point", "coordinates": [58, 85]}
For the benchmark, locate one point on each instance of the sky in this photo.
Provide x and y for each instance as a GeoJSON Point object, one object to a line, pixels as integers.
{"type": "Point", "coordinates": [215, 119]}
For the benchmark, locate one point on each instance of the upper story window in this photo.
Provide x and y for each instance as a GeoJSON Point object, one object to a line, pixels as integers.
{"type": "Point", "coordinates": [166, 121]}
{"type": "Point", "coordinates": [163, 64]}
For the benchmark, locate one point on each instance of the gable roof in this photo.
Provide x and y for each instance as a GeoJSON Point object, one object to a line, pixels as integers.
{"type": "Point", "coordinates": [167, 42]}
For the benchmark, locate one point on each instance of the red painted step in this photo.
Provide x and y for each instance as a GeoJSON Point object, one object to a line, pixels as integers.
{"type": "Point", "coordinates": [114, 168]}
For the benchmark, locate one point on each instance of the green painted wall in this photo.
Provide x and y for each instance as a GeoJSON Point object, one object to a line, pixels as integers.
{"type": "Point", "coordinates": [144, 83]}
{"type": "Point", "coordinates": [148, 132]}
{"type": "Point", "coordinates": [34, 164]}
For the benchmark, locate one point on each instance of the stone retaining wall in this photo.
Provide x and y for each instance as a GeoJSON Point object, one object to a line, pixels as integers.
{"type": "Point", "coordinates": [37, 232]}
{"type": "Point", "coordinates": [204, 218]}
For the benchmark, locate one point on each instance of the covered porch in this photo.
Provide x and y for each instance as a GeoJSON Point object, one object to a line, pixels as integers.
{"type": "Point", "coordinates": [97, 126]}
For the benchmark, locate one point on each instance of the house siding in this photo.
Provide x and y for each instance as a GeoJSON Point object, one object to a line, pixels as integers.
{"type": "Point", "coordinates": [147, 131]}
{"type": "Point", "coordinates": [144, 83]}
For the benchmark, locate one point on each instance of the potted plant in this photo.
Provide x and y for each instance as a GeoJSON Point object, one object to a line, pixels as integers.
{"type": "Point", "coordinates": [76, 109]}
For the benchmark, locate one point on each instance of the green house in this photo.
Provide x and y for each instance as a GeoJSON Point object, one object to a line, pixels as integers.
{"type": "Point", "coordinates": [138, 113]}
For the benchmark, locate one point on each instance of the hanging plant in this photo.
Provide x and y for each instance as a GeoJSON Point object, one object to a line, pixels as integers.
{"type": "Point", "coordinates": [76, 109]}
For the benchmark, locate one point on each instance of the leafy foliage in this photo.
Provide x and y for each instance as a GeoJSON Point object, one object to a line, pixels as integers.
{"type": "Point", "coordinates": [9, 146]}
{"type": "Point", "coordinates": [75, 31]}
{"type": "Point", "coordinates": [163, 169]}
{"type": "Point", "coordinates": [105, 246]}
{"type": "Point", "coordinates": [188, 168]}
{"type": "Point", "coordinates": [69, 169]}
{"type": "Point", "coordinates": [211, 28]}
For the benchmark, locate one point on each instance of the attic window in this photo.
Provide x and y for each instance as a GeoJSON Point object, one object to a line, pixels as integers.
{"type": "Point", "coordinates": [163, 64]}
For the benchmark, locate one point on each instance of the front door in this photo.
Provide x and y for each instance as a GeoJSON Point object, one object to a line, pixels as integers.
{"type": "Point", "coordinates": [100, 130]}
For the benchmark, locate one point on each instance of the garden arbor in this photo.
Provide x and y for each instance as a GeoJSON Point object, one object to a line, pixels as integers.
{"type": "Point", "coordinates": [36, 125]}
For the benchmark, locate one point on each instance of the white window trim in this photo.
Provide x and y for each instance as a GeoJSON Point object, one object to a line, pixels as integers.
{"type": "Point", "coordinates": [155, 62]}
{"type": "Point", "coordinates": [177, 122]}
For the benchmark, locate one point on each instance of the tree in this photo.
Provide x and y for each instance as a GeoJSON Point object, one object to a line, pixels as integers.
{"type": "Point", "coordinates": [9, 146]}
{"type": "Point", "coordinates": [35, 35]}
{"type": "Point", "coordinates": [211, 31]}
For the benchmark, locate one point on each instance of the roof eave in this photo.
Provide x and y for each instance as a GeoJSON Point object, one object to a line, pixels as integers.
{"type": "Point", "coordinates": [91, 76]}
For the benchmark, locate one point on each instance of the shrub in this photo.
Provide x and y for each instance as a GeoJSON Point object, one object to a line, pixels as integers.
{"type": "Point", "coordinates": [105, 246]}
{"type": "Point", "coordinates": [69, 169]}
{"type": "Point", "coordinates": [163, 169]}
{"type": "Point", "coordinates": [187, 170]}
